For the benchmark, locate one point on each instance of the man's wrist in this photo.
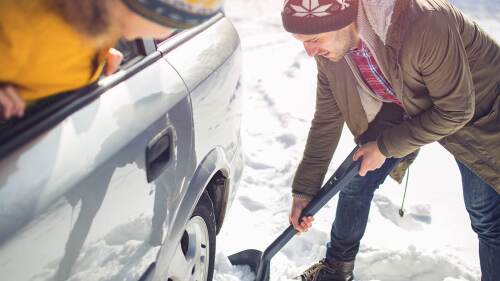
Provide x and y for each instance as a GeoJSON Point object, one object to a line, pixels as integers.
{"type": "Point", "coordinates": [300, 195]}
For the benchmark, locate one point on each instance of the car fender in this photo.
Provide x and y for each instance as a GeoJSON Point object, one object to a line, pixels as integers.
{"type": "Point", "coordinates": [216, 160]}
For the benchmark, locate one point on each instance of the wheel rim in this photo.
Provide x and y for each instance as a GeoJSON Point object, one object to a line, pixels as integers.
{"type": "Point", "coordinates": [191, 259]}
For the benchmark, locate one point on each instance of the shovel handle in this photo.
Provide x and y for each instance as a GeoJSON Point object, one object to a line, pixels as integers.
{"type": "Point", "coordinates": [342, 176]}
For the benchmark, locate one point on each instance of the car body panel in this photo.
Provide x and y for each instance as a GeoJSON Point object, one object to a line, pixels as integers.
{"type": "Point", "coordinates": [216, 105]}
{"type": "Point", "coordinates": [87, 192]}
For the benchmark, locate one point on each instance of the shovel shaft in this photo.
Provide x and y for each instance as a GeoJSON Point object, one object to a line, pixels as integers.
{"type": "Point", "coordinates": [334, 185]}
{"type": "Point", "coordinates": [279, 243]}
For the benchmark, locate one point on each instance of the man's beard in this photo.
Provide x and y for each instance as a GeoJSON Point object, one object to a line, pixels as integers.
{"type": "Point", "coordinates": [336, 58]}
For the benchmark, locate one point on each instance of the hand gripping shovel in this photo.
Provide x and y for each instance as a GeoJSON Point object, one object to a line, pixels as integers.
{"type": "Point", "coordinates": [260, 262]}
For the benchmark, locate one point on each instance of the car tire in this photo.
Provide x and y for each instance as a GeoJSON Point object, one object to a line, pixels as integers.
{"type": "Point", "coordinates": [198, 240]}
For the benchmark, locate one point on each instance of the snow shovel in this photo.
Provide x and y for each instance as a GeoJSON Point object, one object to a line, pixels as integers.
{"type": "Point", "coordinates": [260, 262]}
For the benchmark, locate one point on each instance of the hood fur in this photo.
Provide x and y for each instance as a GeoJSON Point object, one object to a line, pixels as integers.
{"type": "Point", "coordinates": [379, 15]}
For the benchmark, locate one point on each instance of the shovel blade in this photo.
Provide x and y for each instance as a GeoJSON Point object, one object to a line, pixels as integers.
{"type": "Point", "coordinates": [248, 257]}
{"type": "Point", "coordinates": [252, 258]}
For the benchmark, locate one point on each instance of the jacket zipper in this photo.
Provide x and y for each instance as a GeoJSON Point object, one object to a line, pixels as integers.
{"type": "Point", "coordinates": [355, 71]}
{"type": "Point", "coordinates": [400, 74]}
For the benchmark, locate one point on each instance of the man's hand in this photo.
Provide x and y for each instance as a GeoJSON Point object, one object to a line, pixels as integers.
{"type": "Point", "coordinates": [297, 206]}
{"type": "Point", "coordinates": [372, 158]}
{"type": "Point", "coordinates": [113, 60]}
{"type": "Point", "coordinates": [11, 103]}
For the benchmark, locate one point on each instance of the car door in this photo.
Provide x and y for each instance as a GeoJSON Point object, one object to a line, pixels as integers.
{"type": "Point", "coordinates": [87, 199]}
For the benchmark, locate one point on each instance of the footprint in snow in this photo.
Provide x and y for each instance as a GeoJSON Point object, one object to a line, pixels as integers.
{"type": "Point", "coordinates": [287, 140]}
{"type": "Point", "coordinates": [251, 204]}
{"type": "Point", "coordinates": [412, 220]}
{"type": "Point", "coordinates": [292, 70]}
{"type": "Point", "coordinates": [257, 165]}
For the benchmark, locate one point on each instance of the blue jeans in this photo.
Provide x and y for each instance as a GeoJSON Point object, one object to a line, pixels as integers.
{"type": "Point", "coordinates": [481, 200]}
{"type": "Point", "coordinates": [483, 204]}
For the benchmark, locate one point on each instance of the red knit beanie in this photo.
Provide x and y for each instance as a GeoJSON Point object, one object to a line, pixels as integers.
{"type": "Point", "coordinates": [318, 16]}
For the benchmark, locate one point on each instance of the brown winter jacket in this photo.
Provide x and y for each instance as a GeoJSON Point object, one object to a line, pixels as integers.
{"type": "Point", "coordinates": [444, 68]}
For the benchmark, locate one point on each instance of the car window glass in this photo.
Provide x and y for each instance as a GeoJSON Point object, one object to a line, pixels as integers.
{"type": "Point", "coordinates": [10, 130]}
{"type": "Point", "coordinates": [131, 52]}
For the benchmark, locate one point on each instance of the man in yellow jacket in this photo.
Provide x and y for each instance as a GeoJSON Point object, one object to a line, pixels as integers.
{"type": "Point", "coordinates": [53, 46]}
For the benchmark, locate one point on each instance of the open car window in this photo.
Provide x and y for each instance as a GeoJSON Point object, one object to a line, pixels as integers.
{"type": "Point", "coordinates": [132, 51]}
{"type": "Point", "coordinates": [48, 112]}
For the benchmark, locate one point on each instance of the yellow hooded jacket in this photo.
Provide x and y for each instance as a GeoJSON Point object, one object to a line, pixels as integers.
{"type": "Point", "coordinates": [42, 54]}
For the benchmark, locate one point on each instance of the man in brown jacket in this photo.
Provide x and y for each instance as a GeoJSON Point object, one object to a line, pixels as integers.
{"type": "Point", "coordinates": [400, 74]}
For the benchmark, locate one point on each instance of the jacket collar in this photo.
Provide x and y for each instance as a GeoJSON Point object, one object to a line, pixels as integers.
{"type": "Point", "coordinates": [387, 19]}
{"type": "Point", "coordinates": [400, 22]}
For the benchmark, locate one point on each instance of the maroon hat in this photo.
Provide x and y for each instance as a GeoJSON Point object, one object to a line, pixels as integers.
{"type": "Point", "coordinates": [318, 16]}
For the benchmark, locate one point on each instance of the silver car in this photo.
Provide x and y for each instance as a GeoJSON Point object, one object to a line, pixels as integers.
{"type": "Point", "coordinates": [131, 178]}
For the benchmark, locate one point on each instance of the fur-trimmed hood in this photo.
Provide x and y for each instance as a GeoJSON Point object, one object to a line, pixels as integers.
{"type": "Point", "coordinates": [387, 18]}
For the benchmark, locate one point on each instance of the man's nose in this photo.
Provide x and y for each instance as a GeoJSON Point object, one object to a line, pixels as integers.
{"type": "Point", "coordinates": [312, 49]}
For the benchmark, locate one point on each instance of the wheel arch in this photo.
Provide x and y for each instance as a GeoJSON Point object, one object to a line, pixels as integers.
{"type": "Point", "coordinates": [218, 191]}
{"type": "Point", "coordinates": [212, 176]}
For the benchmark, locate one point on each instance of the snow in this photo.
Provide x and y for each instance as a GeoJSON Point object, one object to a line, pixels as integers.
{"type": "Point", "coordinates": [433, 241]}
{"type": "Point", "coordinates": [125, 252]}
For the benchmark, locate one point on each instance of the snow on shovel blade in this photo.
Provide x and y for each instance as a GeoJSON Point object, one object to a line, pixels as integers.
{"type": "Point", "coordinates": [252, 258]}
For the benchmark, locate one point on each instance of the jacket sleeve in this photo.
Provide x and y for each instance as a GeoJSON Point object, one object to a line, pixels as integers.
{"type": "Point", "coordinates": [438, 53]}
{"type": "Point", "coordinates": [322, 141]}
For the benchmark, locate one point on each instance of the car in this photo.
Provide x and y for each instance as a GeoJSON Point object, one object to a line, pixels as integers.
{"type": "Point", "coordinates": [129, 178]}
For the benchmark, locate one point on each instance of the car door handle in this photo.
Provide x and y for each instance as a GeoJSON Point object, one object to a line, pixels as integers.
{"type": "Point", "coordinates": [157, 155]}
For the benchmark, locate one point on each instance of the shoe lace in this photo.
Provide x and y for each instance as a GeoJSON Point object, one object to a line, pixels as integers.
{"type": "Point", "coordinates": [312, 272]}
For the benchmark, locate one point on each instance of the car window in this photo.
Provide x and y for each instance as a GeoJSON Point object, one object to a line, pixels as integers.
{"type": "Point", "coordinates": [132, 52]}
{"type": "Point", "coordinates": [46, 112]}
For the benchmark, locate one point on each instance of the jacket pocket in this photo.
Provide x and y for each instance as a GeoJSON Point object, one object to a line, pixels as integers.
{"type": "Point", "coordinates": [490, 122]}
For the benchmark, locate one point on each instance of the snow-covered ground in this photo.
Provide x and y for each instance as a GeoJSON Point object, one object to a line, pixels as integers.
{"type": "Point", "coordinates": [432, 242]}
